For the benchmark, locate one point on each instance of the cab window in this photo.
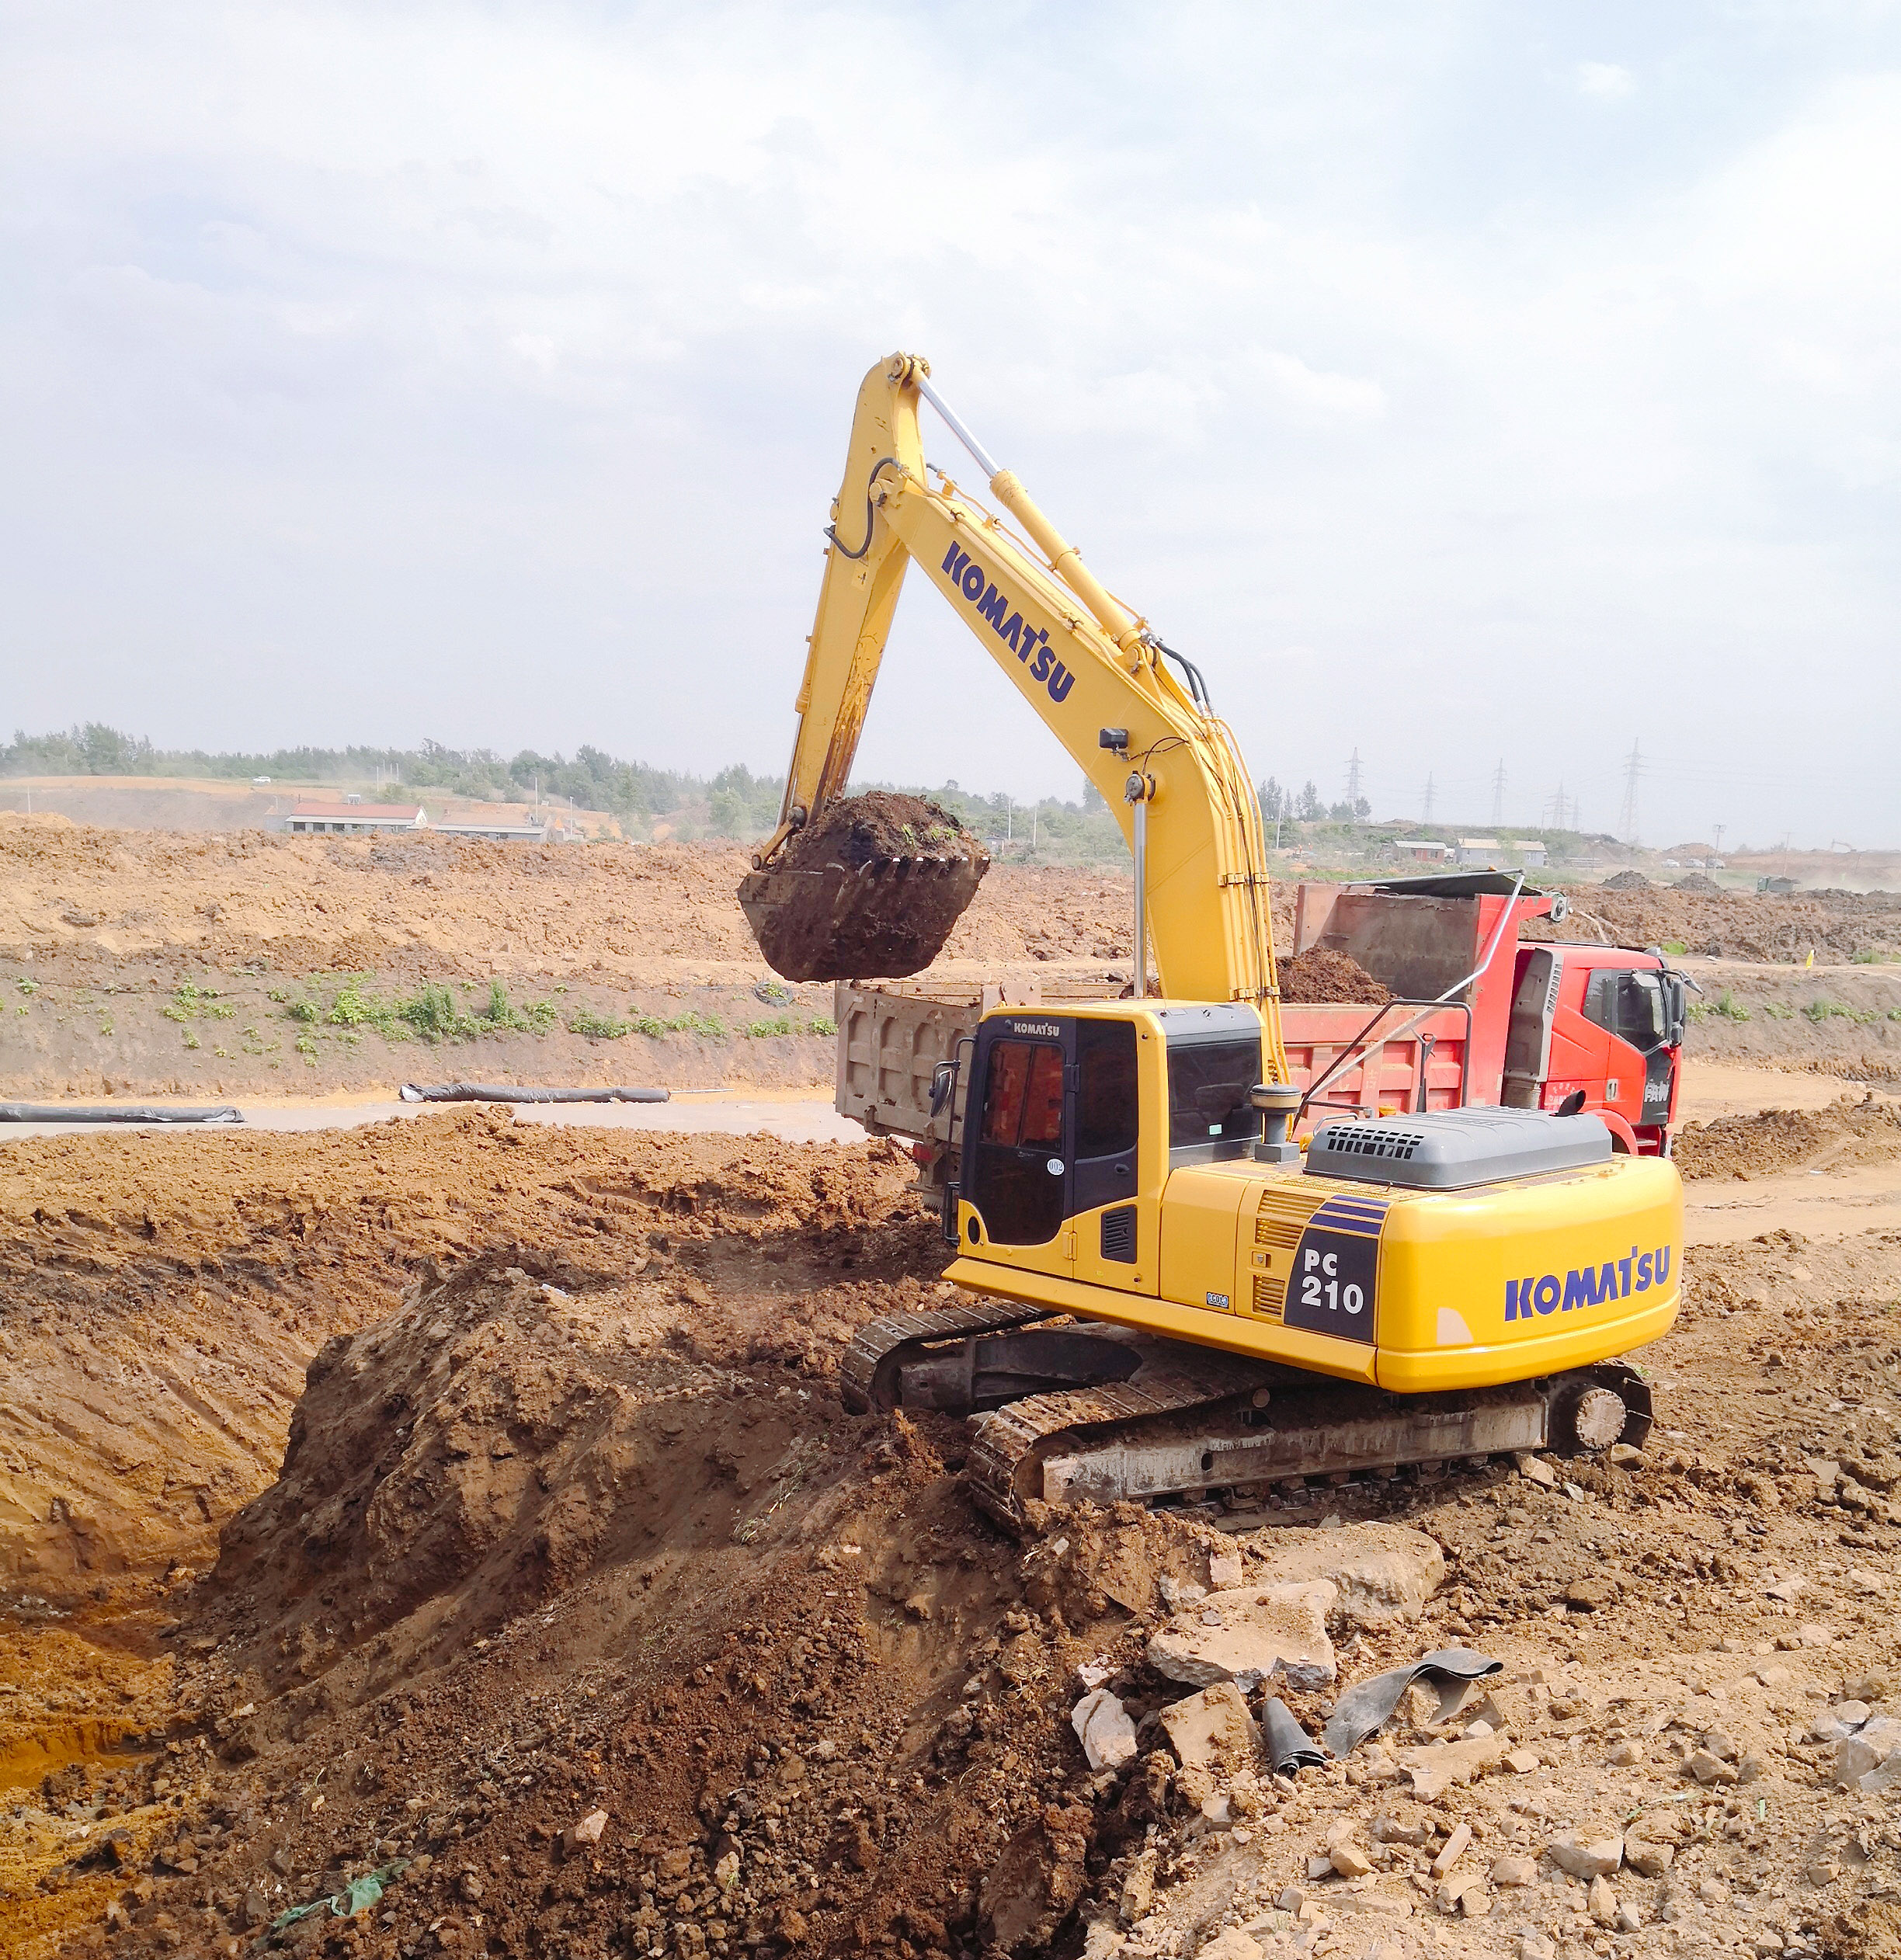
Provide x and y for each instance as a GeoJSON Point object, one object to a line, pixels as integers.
{"type": "Point", "coordinates": [1022, 1103]}
{"type": "Point", "coordinates": [1209, 1083]}
{"type": "Point", "coordinates": [1106, 1088]}
{"type": "Point", "coordinates": [1629, 1005]}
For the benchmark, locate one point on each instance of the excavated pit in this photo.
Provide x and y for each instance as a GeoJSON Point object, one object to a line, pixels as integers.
{"type": "Point", "coordinates": [561, 1517]}
{"type": "Point", "coordinates": [872, 891]}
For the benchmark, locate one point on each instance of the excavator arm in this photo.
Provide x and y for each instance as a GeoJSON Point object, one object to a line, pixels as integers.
{"type": "Point", "coordinates": [1084, 663]}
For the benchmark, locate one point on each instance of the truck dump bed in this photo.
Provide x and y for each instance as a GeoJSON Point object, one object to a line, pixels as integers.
{"type": "Point", "coordinates": [893, 1037]}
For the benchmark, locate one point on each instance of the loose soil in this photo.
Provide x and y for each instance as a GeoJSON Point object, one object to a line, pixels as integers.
{"type": "Point", "coordinates": [1834, 926]}
{"type": "Point", "coordinates": [877, 827]}
{"type": "Point", "coordinates": [1320, 974]}
{"type": "Point", "coordinates": [872, 891]}
{"type": "Point", "coordinates": [1848, 1135]}
{"type": "Point", "coordinates": [569, 1519]}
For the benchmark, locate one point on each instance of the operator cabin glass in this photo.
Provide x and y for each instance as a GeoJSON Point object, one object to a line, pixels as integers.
{"type": "Point", "coordinates": [1018, 1188]}
{"type": "Point", "coordinates": [1209, 1083]}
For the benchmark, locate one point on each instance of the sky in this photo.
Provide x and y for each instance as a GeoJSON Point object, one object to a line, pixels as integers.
{"type": "Point", "coordinates": [1469, 387]}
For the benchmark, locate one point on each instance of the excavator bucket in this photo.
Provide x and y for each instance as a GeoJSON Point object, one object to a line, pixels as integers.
{"type": "Point", "coordinates": [870, 893]}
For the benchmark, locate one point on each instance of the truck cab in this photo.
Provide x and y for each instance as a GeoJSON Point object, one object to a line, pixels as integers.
{"type": "Point", "coordinates": [1606, 1022]}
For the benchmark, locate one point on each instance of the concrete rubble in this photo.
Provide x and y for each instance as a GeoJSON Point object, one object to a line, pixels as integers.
{"type": "Point", "coordinates": [1250, 1634]}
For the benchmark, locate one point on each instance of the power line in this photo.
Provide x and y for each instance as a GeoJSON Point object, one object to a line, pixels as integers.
{"type": "Point", "coordinates": [1627, 816]}
{"type": "Point", "coordinates": [1352, 777]}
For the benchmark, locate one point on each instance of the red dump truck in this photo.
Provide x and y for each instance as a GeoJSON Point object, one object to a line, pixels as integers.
{"type": "Point", "coordinates": [1481, 1014]}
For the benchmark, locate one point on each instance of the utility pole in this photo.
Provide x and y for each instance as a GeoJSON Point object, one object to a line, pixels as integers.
{"type": "Point", "coordinates": [1720, 828]}
{"type": "Point", "coordinates": [1352, 777]}
{"type": "Point", "coordinates": [1627, 816]}
{"type": "Point", "coordinates": [1425, 814]}
{"type": "Point", "coordinates": [1498, 794]}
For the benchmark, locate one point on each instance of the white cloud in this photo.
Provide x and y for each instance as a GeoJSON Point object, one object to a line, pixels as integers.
{"type": "Point", "coordinates": [1605, 81]}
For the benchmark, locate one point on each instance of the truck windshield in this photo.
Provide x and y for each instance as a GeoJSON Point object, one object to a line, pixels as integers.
{"type": "Point", "coordinates": [1629, 1005]}
{"type": "Point", "coordinates": [1208, 1086]}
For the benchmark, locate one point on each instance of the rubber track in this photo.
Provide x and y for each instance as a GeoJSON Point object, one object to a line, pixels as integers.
{"type": "Point", "coordinates": [877, 1339]}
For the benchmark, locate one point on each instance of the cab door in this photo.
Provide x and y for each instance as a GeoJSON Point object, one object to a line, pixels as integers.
{"type": "Point", "coordinates": [1117, 1228]}
{"type": "Point", "coordinates": [1017, 1171]}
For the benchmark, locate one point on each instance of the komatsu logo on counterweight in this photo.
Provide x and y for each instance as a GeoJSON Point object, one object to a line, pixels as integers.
{"type": "Point", "coordinates": [1587, 1286]}
{"type": "Point", "coordinates": [1030, 643]}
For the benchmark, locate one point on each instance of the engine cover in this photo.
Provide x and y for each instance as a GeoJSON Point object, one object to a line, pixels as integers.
{"type": "Point", "coordinates": [1450, 1150]}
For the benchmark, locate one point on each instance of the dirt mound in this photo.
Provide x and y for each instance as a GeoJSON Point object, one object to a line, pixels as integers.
{"type": "Point", "coordinates": [1780, 927]}
{"type": "Point", "coordinates": [1627, 882]}
{"type": "Point", "coordinates": [879, 826]}
{"type": "Point", "coordinates": [1698, 882]}
{"type": "Point", "coordinates": [1846, 1134]}
{"type": "Point", "coordinates": [169, 1298]}
{"type": "Point", "coordinates": [1320, 975]}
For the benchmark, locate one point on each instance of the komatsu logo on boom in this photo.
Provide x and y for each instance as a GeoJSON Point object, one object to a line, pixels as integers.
{"type": "Point", "coordinates": [1587, 1286]}
{"type": "Point", "coordinates": [1030, 643]}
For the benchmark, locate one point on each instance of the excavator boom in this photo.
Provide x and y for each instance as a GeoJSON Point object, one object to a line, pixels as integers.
{"type": "Point", "coordinates": [1085, 665]}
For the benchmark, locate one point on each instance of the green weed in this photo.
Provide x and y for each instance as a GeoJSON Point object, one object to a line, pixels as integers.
{"type": "Point", "coordinates": [1778, 1010]}
{"type": "Point", "coordinates": [1725, 1007]}
{"type": "Point", "coordinates": [1675, 946]}
{"type": "Point", "coordinates": [28, 987]}
{"type": "Point", "coordinates": [535, 1017]}
{"type": "Point", "coordinates": [1819, 1011]}
{"type": "Point", "coordinates": [690, 1023]}
{"type": "Point", "coordinates": [598, 1027]}
{"type": "Point", "coordinates": [191, 1003]}
{"type": "Point", "coordinates": [791, 1024]}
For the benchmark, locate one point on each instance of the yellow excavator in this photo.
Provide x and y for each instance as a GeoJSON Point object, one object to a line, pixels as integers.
{"type": "Point", "coordinates": [1167, 1298]}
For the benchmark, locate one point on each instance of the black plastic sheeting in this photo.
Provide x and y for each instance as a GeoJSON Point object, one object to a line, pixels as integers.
{"type": "Point", "coordinates": [478, 1091]}
{"type": "Point", "coordinates": [1368, 1705]}
{"type": "Point", "coordinates": [1289, 1746]}
{"type": "Point", "coordinates": [116, 1113]}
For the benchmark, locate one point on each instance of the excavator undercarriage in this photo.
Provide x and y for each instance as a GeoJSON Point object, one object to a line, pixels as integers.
{"type": "Point", "coordinates": [1064, 1411]}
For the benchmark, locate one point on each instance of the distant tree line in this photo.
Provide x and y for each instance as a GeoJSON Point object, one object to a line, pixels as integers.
{"type": "Point", "coordinates": [736, 803]}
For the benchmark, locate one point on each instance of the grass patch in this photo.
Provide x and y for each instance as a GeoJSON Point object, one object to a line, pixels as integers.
{"type": "Point", "coordinates": [789, 1024]}
{"type": "Point", "coordinates": [1725, 1007]}
{"type": "Point", "coordinates": [192, 1003]}
{"type": "Point", "coordinates": [432, 1013]}
{"type": "Point", "coordinates": [598, 1027]}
